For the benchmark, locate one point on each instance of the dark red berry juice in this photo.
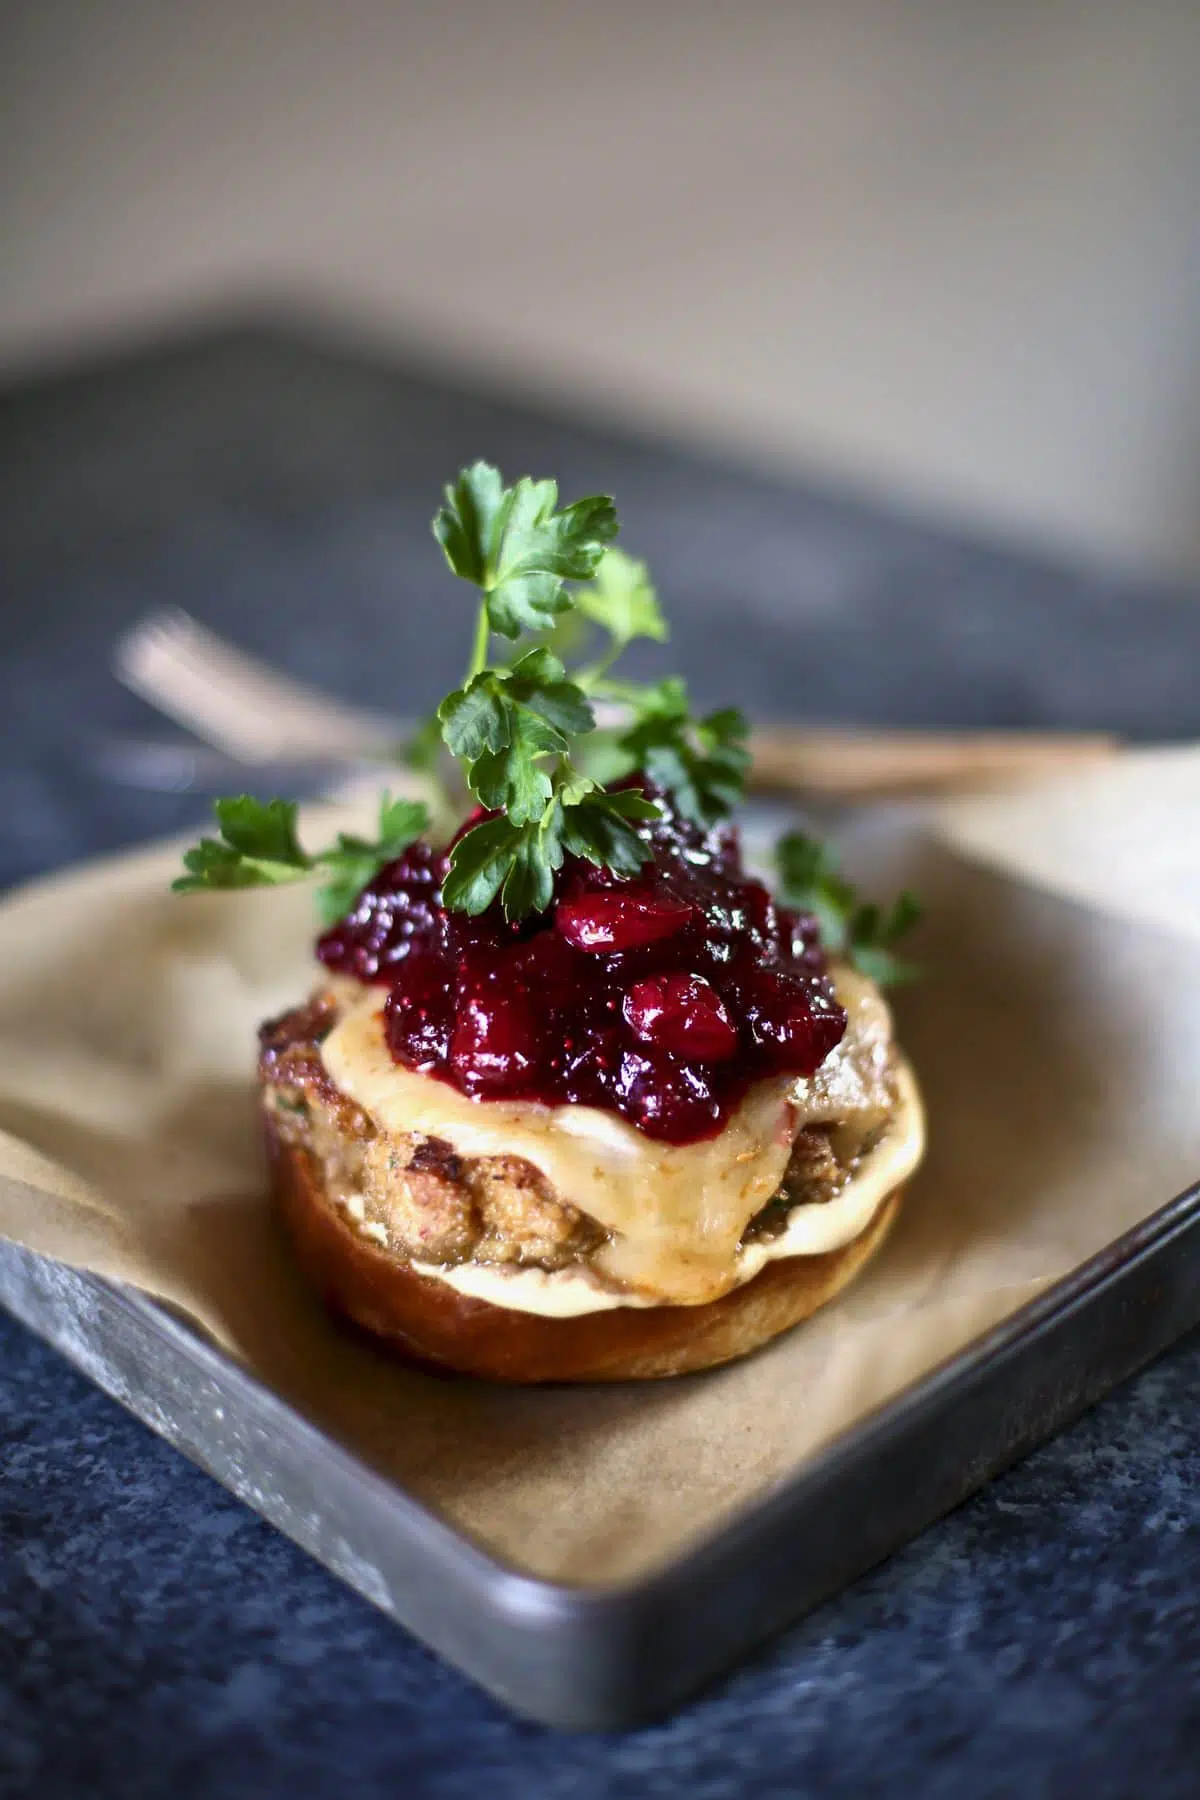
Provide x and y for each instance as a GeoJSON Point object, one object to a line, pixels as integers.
{"type": "Point", "coordinates": [661, 998]}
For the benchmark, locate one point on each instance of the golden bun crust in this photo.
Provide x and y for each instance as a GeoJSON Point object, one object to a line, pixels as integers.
{"type": "Point", "coordinates": [431, 1323]}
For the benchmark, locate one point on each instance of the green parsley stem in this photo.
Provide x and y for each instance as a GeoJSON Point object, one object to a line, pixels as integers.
{"type": "Point", "coordinates": [479, 653]}
{"type": "Point", "coordinates": [598, 683]}
{"type": "Point", "coordinates": [589, 679]}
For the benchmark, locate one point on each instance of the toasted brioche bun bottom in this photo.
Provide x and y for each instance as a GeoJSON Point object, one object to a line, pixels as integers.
{"type": "Point", "coordinates": [432, 1324]}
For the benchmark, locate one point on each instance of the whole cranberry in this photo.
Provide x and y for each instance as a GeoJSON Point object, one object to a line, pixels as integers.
{"type": "Point", "coordinates": [496, 1043]}
{"type": "Point", "coordinates": [419, 1010]}
{"type": "Point", "coordinates": [793, 1018]}
{"type": "Point", "coordinates": [620, 918]}
{"type": "Point", "coordinates": [683, 1014]}
{"type": "Point", "coordinates": [666, 1099]}
{"type": "Point", "coordinates": [592, 1064]}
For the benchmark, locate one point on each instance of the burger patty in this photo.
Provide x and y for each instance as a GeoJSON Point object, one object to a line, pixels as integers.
{"type": "Point", "coordinates": [425, 1202]}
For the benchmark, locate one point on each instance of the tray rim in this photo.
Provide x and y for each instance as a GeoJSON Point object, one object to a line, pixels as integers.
{"type": "Point", "coordinates": [615, 1655]}
{"type": "Point", "coordinates": [573, 1653]}
{"type": "Point", "coordinates": [887, 1420]}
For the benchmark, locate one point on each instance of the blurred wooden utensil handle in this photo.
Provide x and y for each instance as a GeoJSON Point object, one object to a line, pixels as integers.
{"type": "Point", "coordinates": [897, 764]}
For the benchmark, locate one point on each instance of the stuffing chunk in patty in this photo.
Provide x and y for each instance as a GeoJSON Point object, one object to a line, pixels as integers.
{"type": "Point", "coordinates": [421, 1200]}
{"type": "Point", "coordinates": [431, 1204]}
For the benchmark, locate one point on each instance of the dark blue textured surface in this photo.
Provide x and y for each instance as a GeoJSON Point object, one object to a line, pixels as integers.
{"type": "Point", "coordinates": [155, 1637]}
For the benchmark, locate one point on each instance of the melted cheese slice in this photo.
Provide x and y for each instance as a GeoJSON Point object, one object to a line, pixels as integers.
{"type": "Point", "coordinates": [812, 1229]}
{"type": "Point", "coordinates": [676, 1212]}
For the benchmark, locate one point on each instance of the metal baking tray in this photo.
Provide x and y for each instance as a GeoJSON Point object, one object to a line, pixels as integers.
{"type": "Point", "coordinates": [606, 1658]}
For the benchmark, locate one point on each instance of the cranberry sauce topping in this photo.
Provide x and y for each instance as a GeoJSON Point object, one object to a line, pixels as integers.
{"type": "Point", "coordinates": [661, 997]}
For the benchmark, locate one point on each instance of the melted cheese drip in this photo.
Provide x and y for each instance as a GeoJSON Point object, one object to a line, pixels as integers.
{"type": "Point", "coordinates": [676, 1211]}
{"type": "Point", "coordinates": [812, 1229]}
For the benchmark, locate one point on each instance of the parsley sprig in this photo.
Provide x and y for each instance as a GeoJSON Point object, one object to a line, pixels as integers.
{"type": "Point", "coordinates": [514, 546]}
{"type": "Point", "coordinates": [862, 933]}
{"type": "Point", "coordinates": [701, 762]}
{"type": "Point", "coordinates": [259, 847]}
{"type": "Point", "coordinates": [522, 730]}
{"type": "Point", "coordinates": [522, 727]}
{"type": "Point", "coordinates": [517, 728]}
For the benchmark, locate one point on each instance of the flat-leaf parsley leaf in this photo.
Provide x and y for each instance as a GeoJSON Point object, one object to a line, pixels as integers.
{"type": "Point", "coordinates": [861, 932]}
{"type": "Point", "coordinates": [258, 847]}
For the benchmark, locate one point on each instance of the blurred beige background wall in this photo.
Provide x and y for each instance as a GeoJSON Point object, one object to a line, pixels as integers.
{"type": "Point", "coordinates": [951, 247]}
